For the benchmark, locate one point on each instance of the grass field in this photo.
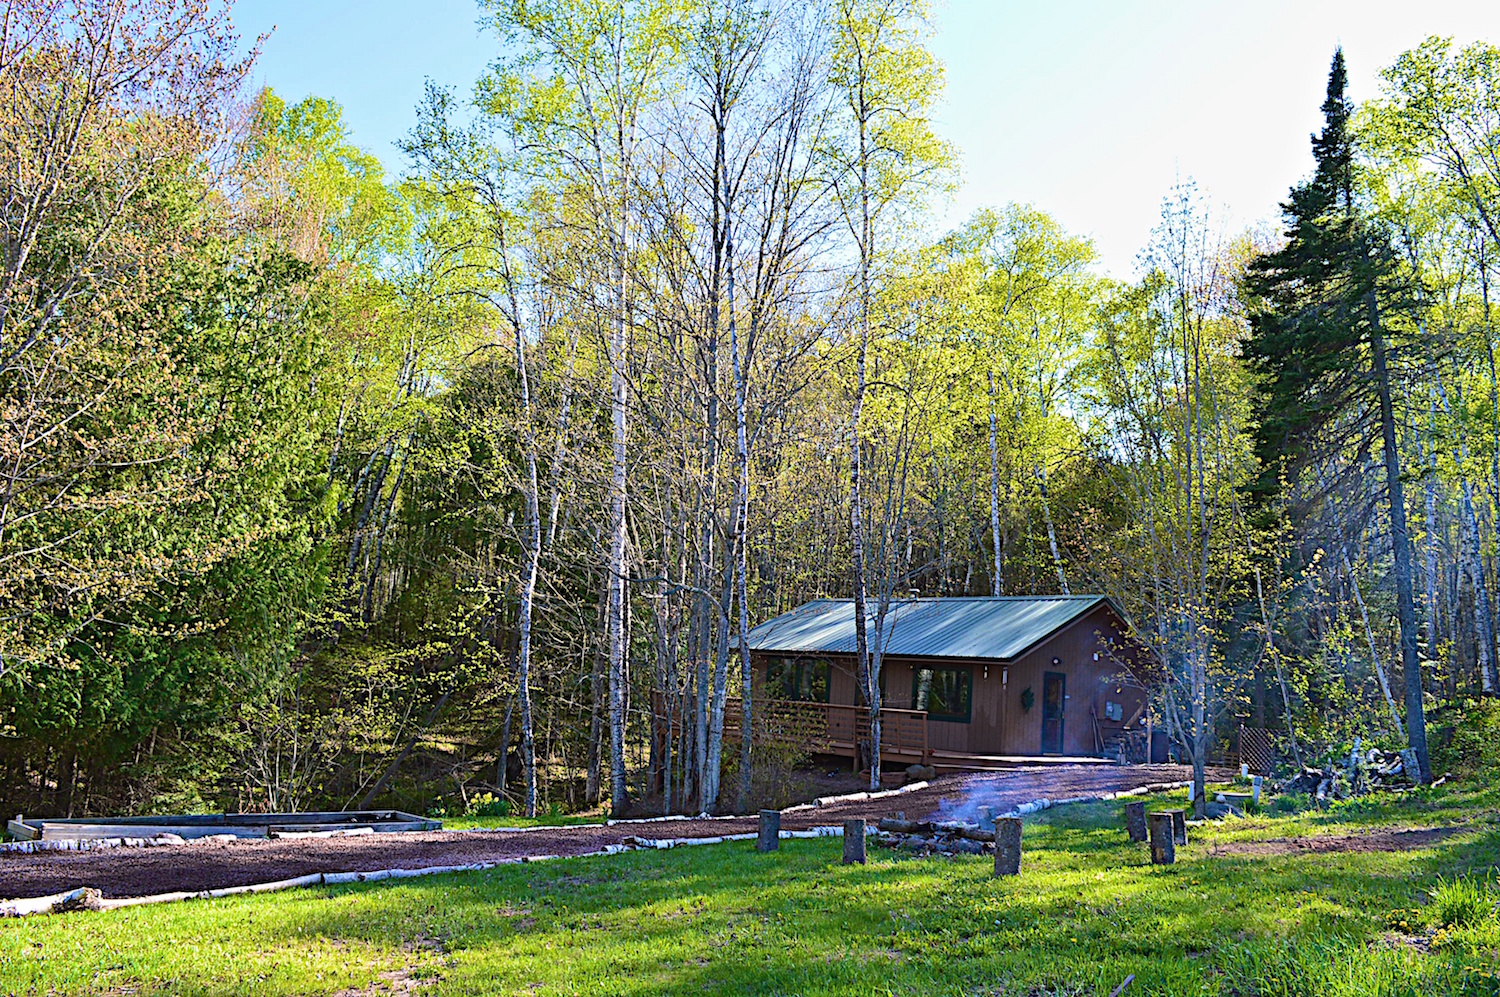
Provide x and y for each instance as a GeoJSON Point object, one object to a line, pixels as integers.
{"type": "Point", "coordinates": [1087, 911]}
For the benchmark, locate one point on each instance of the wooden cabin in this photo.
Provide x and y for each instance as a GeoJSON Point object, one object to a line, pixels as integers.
{"type": "Point", "coordinates": [1001, 678]}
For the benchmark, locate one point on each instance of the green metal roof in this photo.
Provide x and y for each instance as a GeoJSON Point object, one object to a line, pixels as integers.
{"type": "Point", "coordinates": [1001, 627]}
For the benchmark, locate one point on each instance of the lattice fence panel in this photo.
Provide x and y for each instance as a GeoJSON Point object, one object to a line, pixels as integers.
{"type": "Point", "coordinates": [1257, 749]}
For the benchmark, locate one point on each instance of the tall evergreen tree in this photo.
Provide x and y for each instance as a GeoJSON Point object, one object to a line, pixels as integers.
{"type": "Point", "coordinates": [1319, 341]}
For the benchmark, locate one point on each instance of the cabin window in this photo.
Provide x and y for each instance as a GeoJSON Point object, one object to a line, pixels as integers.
{"type": "Point", "coordinates": [945, 693]}
{"type": "Point", "coordinates": [802, 679]}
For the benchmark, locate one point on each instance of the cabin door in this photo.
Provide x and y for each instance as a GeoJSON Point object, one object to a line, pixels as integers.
{"type": "Point", "coordinates": [1054, 694]}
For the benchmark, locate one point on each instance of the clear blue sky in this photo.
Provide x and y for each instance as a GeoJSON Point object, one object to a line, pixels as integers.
{"type": "Point", "coordinates": [1089, 110]}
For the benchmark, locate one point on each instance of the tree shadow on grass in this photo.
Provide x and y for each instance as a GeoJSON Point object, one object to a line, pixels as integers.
{"type": "Point", "coordinates": [1088, 909]}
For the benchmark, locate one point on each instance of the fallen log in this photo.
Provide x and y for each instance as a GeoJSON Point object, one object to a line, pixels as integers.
{"type": "Point", "coordinates": [898, 826]}
{"type": "Point", "coordinates": [976, 834]}
{"type": "Point", "coordinates": [83, 898]}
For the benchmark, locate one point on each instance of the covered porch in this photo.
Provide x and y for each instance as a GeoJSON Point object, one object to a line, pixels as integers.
{"type": "Point", "coordinates": [839, 730]}
{"type": "Point", "coordinates": [842, 730]}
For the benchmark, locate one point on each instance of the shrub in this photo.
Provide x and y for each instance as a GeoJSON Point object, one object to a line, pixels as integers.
{"type": "Point", "coordinates": [1462, 903]}
{"type": "Point", "coordinates": [1290, 803]}
{"type": "Point", "coordinates": [1468, 741]}
{"type": "Point", "coordinates": [1372, 804]}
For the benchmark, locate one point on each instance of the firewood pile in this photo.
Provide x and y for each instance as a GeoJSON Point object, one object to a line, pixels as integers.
{"type": "Point", "coordinates": [1354, 775]}
{"type": "Point", "coordinates": [925, 837]}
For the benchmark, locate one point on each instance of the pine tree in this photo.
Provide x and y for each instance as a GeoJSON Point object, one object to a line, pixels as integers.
{"type": "Point", "coordinates": [1318, 340]}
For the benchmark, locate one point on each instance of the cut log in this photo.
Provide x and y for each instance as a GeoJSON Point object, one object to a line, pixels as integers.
{"type": "Point", "coordinates": [1163, 839]}
{"type": "Point", "coordinates": [897, 825]}
{"type": "Point", "coordinates": [1007, 846]}
{"type": "Point", "coordinates": [1135, 821]}
{"type": "Point", "coordinates": [1179, 826]}
{"type": "Point", "coordinates": [854, 841]}
{"type": "Point", "coordinates": [770, 831]}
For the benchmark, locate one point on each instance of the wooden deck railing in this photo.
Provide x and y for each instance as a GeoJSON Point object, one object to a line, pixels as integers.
{"type": "Point", "coordinates": [832, 729]}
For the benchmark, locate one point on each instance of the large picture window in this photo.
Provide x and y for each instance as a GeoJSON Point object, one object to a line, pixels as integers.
{"type": "Point", "coordinates": [802, 679]}
{"type": "Point", "coordinates": [945, 693]}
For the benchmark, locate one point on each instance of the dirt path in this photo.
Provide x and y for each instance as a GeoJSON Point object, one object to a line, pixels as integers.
{"type": "Point", "coordinates": [132, 872]}
{"type": "Point", "coordinates": [1373, 841]}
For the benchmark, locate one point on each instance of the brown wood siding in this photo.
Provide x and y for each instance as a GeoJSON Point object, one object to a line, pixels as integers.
{"type": "Point", "coordinates": [1089, 685]}
{"type": "Point", "coordinates": [997, 724]}
{"type": "Point", "coordinates": [843, 682]}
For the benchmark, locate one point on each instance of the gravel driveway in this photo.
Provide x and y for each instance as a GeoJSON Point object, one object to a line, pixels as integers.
{"type": "Point", "coordinates": [128, 872]}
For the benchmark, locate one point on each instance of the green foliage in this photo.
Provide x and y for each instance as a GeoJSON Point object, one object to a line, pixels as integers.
{"type": "Point", "coordinates": [1469, 738]}
{"type": "Point", "coordinates": [887, 158]}
{"type": "Point", "coordinates": [1315, 310]}
{"type": "Point", "coordinates": [320, 196]}
{"type": "Point", "coordinates": [289, 548]}
{"type": "Point", "coordinates": [240, 565]}
{"type": "Point", "coordinates": [1290, 803]}
{"type": "Point", "coordinates": [1440, 107]}
{"type": "Point", "coordinates": [1463, 901]}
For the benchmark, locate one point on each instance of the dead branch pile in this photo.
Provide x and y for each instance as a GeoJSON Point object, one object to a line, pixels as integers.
{"type": "Point", "coordinates": [1359, 773]}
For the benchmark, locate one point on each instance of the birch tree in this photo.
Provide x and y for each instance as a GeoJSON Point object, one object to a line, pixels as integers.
{"type": "Point", "coordinates": [1172, 393]}
{"type": "Point", "coordinates": [579, 91]}
{"type": "Point", "coordinates": [884, 158]}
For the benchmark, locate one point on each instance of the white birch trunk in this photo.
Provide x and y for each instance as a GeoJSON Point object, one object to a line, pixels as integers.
{"type": "Point", "coordinates": [618, 547]}
{"type": "Point", "coordinates": [997, 586]}
{"type": "Point", "coordinates": [1484, 624]}
{"type": "Point", "coordinates": [739, 540]}
{"type": "Point", "coordinates": [1062, 578]}
{"type": "Point", "coordinates": [1385, 686]}
{"type": "Point", "coordinates": [532, 553]}
{"type": "Point", "coordinates": [1430, 572]}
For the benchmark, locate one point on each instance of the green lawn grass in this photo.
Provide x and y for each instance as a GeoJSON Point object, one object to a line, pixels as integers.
{"type": "Point", "coordinates": [1087, 911]}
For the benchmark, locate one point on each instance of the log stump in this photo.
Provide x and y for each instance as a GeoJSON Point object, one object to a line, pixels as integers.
{"type": "Point", "coordinates": [1163, 840]}
{"type": "Point", "coordinates": [1007, 846]}
{"type": "Point", "coordinates": [854, 841]}
{"type": "Point", "coordinates": [770, 831]}
{"type": "Point", "coordinates": [1135, 821]}
{"type": "Point", "coordinates": [1179, 826]}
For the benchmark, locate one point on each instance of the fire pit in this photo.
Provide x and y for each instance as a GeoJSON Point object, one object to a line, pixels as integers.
{"type": "Point", "coordinates": [935, 837]}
